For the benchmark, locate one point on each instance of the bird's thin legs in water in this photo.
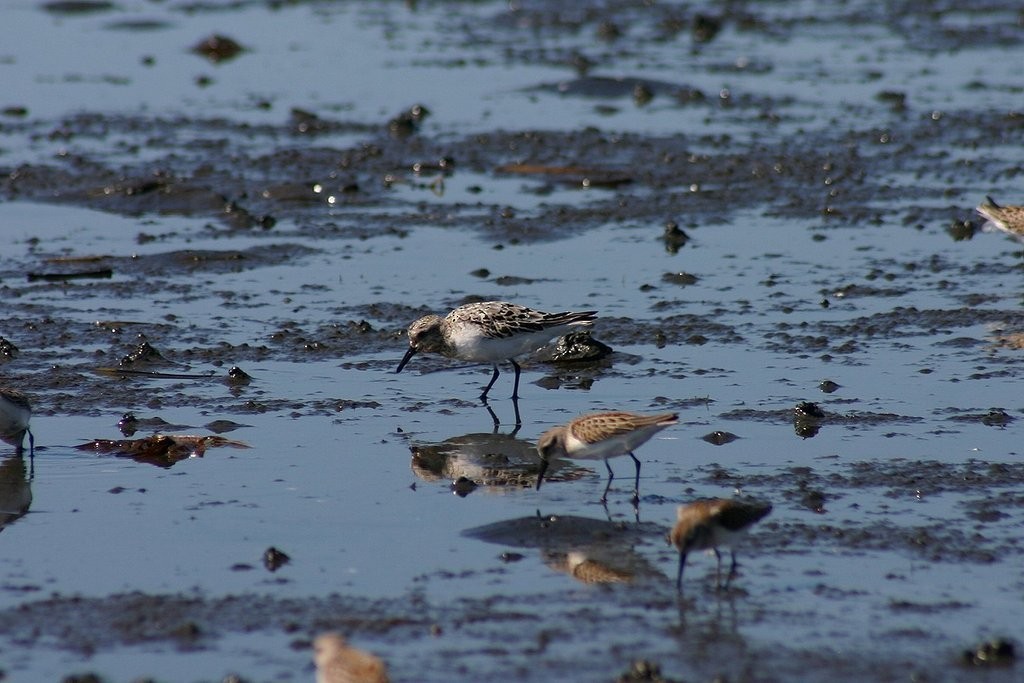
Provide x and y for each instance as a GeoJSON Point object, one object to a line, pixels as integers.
{"type": "Point", "coordinates": [494, 416]}
{"type": "Point", "coordinates": [515, 387]}
{"type": "Point", "coordinates": [732, 568]}
{"type": "Point", "coordinates": [636, 482]}
{"type": "Point", "coordinates": [679, 574]}
{"type": "Point", "coordinates": [611, 475]}
{"type": "Point", "coordinates": [494, 378]}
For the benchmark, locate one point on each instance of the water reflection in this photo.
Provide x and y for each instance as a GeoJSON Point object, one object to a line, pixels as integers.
{"type": "Point", "coordinates": [497, 462]}
{"type": "Point", "coordinates": [589, 550]}
{"type": "Point", "coordinates": [15, 490]}
{"type": "Point", "coordinates": [162, 450]}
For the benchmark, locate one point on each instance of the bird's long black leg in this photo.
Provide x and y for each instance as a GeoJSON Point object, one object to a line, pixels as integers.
{"type": "Point", "coordinates": [636, 482]}
{"type": "Point", "coordinates": [494, 416]}
{"type": "Point", "coordinates": [679, 575]}
{"type": "Point", "coordinates": [718, 569]}
{"type": "Point", "coordinates": [732, 568]}
{"type": "Point", "coordinates": [519, 419]}
{"type": "Point", "coordinates": [494, 378]}
{"type": "Point", "coordinates": [611, 475]}
{"type": "Point", "coordinates": [515, 387]}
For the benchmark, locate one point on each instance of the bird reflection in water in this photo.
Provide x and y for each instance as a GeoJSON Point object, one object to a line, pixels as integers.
{"type": "Point", "coordinates": [589, 550]}
{"type": "Point", "coordinates": [497, 462]}
{"type": "Point", "coordinates": [15, 490]}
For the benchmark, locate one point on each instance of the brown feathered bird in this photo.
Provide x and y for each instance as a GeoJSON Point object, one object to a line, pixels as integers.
{"type": "Point", "coordinates": [338, 662]}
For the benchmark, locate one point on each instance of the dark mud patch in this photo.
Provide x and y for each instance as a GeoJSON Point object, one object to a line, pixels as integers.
{"type": "Point", "coordinates": [898, 153]}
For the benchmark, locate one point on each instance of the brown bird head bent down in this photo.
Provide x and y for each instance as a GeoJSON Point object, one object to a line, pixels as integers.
{"type": "Point", "coordinates": [550, 445]}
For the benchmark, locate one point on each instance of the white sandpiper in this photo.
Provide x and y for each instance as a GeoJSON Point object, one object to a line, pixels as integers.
{"type": "Point", "coordinates": [15, 413]}
{"type": "Point", "coordinates": [600, 436]}
{"type": "Point", "coordinates": [490, 332]}
{"type": "Point", "coordinates": [713, 522]}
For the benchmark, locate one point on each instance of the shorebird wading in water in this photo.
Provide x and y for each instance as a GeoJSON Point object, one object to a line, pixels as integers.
{"type": "Point", "coordinates": [713, 522]}
{"type": "Point", "coordinates": [338, 662]}
{"type": "Point", "coordinates": [15, 413]}
{"type": "Point", "coordinates": [1009, 219]}
{"type": "Point", "coordinates": [600, 436]}
{"type": "Point", "coordinates": [490, 332]}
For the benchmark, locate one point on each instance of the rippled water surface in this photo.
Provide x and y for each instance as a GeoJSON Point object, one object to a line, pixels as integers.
{"type": "Point", "coordinates": [288, 211]}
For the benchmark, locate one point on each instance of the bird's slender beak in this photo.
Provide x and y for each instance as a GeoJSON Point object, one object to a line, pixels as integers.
{"type": "Point", "coordinates": [405, 359]}
{"type": "Point", "coordinates": [543, 469]}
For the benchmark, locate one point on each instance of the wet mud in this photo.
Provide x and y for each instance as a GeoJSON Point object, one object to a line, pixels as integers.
{"type": "Point", "coordinates": [282, 194]}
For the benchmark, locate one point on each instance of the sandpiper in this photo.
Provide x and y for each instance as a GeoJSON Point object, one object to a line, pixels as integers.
{"type": "Point", "coordinates": [713, 522]}
{"type": "Point", "coordinates": [600, 436]}
{"type": "Point", "coordinates": [15, 413]}
{"type": "Point", "coordinates": [490, 332]}
{"type": "Point", "coordinates": [338, 662]}
{"type": "Point", "coordinates": [1009, 219]}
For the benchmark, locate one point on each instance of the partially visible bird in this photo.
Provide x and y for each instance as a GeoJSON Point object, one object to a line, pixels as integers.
{"type": "Point", "coordinates": [1009, 219]}
{"type": "Point", "coordinates": [490, 332]}
{"type": "Point", "coordinates": [713, 522]}
{"type": "Point", "coordinates": [600, 436]}
{"type": "Point", "coordinates": [338, 662]}
{"type": "Point", "coordinates": [15, 413]}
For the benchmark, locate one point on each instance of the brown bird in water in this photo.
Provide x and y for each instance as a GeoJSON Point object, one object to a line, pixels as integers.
{"type": "Point", "coordinates": [338, 662]}
{"type": "Point", "coordinates": [1009, 219]}
{"type": "Point", "coordinates": [600, 436]}
{"type": "Point", "coordinates": [713, 522]}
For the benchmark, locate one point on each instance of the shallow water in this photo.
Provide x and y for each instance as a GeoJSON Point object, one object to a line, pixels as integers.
{"type": "Point", "coordinates": [893, 545]}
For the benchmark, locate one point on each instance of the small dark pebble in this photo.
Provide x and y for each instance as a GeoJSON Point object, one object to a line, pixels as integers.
{"type": "Point", "coordinates": [808, 409]}
{"type": "Point", "coordinates": [406, 123]}
{"type": "Point", "coordinates": [996, 652]}
{"type": "Point", "coordinates": [218, 48]}
{"type": "Point", "coordinates": [463, 486]}
{"type": "Point", "coordinates": [187, 631]}
{"type": "Point", "coordinates": [238, 376]}
{"type": "Point", "coordinates": [996, 417]}
{"type": "Point", "coordinates": [82, 678]}
{"type": "Point", "coordinates": [705, 28]}
{"type": "Point", "coordinates": [828, 386]}
{"type": "Point", "coordinates": [143, 353]}
{"type": "Point", "coordinates": [961, 230]}
{"type": "Point", "coordinates": [680, 279]}
{"type": "Point", "coordinates": [719, 438]}
{"type": "Point", "coordinates": [674, 237]}
{"type": "Point", "coordinates": [642, 94]}
{"type": "Point", "coordinates": [608, 32]}
{"type": "Point", "coordinates": [814, 501]}
{"type": "Point", "coordinates": [643, 670]}
{"type": "Point", "coordinates": [274, 559]}
{"type": "Point", "coordinates": [806, 430]}
{"type": "Point", "coordinates": [578, 346]}
{"type": "Point", "coordinates": [7, 349]}
{"type": "Point", "coordinates": [128, 424]}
